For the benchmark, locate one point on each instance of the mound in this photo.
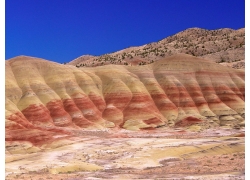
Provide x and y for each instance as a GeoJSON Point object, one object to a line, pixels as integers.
{"type": "Point", "coordinates": [45, 98]}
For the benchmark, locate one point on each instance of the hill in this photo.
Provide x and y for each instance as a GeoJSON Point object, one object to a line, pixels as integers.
{"type": "Point", "coordinates": [44, 97]}
{"type": "Point", "coordinates": [225, 46]}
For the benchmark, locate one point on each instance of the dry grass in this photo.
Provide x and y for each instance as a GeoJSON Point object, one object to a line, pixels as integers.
{"type": "Point", "coordinates": [225, 46]}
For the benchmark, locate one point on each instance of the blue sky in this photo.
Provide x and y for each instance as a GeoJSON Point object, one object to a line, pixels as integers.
{"type": "Point", "coordinates": [62, 30]}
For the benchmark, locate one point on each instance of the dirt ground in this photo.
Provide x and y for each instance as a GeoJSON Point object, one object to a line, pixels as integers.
{"type": "Point", "coordinates": [121, 154]}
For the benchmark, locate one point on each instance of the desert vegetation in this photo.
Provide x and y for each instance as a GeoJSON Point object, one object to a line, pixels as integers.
{"type": "Point", "coordinates": [221, 46]}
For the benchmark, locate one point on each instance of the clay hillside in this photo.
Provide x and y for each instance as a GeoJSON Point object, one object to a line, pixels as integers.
{"type": "Point", "coordinates": [179, 117]}
{"type": "Point", "coordinates": [43, 97]}
{"type": "Point", "coordinates": [225, 46]}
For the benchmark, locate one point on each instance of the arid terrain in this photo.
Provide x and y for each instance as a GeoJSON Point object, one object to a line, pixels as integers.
{"type": "Point", "coordinates": [224, 46]}
{"type": "Point", "coordinates": [111, 154]}
{"type": "Point", "coordinates": [180, 117]}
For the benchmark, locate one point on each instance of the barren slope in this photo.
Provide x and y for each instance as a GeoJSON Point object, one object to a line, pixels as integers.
{"type": "Point", "coordinates": [226, 46]}
{"type": "Point", "coordinates": [44, 98]}
{"type": "Point", "coordinates": [150, 158]}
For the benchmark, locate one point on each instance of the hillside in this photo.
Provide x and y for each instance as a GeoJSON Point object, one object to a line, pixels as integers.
{"type": "Point", "coordinates": [224, 46]}
{"type": "Point", "coordinates": [124, 122]}
{"type": "Point", "coordinates": [177, 91]}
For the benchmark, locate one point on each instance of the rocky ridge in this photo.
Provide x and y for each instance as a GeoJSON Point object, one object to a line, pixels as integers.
{"type": "Point", "coordinates": [225, 46]}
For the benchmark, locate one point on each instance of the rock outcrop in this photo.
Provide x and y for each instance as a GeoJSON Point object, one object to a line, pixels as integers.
{"type": "Point", "coordinates": [44, 98]}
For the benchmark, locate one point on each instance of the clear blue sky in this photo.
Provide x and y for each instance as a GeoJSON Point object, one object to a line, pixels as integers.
{"type": "Point", "coordinates": [62, 30]}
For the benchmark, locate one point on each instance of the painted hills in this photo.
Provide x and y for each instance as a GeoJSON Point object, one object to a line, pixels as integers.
{"type": "Point", "coordinates": [224, 46]}
{"type": "Point", "coordinates": [45, 98]}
